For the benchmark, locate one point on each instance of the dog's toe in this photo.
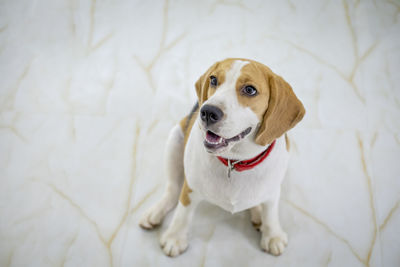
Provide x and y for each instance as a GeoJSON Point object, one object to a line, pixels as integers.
{"type": "Point", "coordinates": [173, 245]}
{"type": "Point", "coordinates": [275, 244]}
{"type": "Point", "coordinates": [150, 220]}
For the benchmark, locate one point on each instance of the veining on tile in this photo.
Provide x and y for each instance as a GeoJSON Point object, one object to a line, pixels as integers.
{"type": "Point", "coordinates": [163, 48]}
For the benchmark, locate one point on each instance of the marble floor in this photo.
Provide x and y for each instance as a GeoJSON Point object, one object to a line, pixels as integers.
{"type": "Point", "coordinates": [90, 89]}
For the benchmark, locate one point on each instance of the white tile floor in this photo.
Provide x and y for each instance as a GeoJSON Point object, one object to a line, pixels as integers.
{"type": "Point", "coordinates": [90, 89]}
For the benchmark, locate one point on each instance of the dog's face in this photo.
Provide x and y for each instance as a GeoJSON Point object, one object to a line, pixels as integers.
{"type": "Point", "coordinates": [242, 100]}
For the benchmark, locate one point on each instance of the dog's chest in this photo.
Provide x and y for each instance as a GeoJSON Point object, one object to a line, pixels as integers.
{"type": "Point", "coordinates": [207, 176]}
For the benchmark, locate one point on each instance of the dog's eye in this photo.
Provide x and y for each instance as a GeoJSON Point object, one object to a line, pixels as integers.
{"type": "Point", "coordinates": [213, 81]}
{"type": "Point", "coordinates": [249, 90]}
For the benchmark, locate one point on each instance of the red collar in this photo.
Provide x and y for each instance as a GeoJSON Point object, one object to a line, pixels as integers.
{"type": "Point", "coordinates": [247, 164]}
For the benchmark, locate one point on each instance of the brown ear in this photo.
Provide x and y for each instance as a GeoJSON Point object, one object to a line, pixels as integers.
{"type": "Point", "coordinates": [284, 111]}
{"type": "Point", "coordinates": [202, 85]}
{"type": "Point", "coordinates": [201, 90]}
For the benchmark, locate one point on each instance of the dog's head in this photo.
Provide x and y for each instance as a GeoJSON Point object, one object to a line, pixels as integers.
{"type": "Point", "coordinates": [243, 101]}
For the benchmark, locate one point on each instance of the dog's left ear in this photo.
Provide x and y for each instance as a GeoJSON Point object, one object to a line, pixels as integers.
{"type": "Point", "coordinates": [202, 86]}
{"type": "Point", "coordinates": [284, 111]}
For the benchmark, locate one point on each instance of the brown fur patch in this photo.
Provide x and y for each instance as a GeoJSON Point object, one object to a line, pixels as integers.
{"type": "Point", "coordinates": [184, 197]}
{"type": "Point", "coordinates": [186, 125]}
{"type": "Point", "coordinates": [254, 74]}
{"type": "Point", "coordinates": [219, 69]}
{"type": "Point", "coordinates": [287, 140]}
{"type": "Point", "coordinates": [183, 123]}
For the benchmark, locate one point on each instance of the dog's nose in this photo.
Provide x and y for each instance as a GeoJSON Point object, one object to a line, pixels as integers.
{"type": "Point", "coordinates": [211, 114]}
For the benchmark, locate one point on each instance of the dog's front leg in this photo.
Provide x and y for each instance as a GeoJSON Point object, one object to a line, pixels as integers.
{"type": "Point", "coordinates": [274, 239]}
{"type": "Point", "coordinates": [175, 240]}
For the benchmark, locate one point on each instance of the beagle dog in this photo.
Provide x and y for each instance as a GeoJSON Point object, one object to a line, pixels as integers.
{"type": "Point", "coordinates": [231, 150]}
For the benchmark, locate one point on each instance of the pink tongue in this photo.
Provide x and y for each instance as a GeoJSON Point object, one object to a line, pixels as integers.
{"type": "Point", "coordinates": [212, 137]}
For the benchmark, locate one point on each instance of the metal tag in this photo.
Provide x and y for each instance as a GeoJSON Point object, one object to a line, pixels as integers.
{"type": "Point", "coordinates": [230, 167]}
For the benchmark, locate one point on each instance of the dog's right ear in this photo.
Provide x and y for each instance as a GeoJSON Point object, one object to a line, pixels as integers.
{"type": "Point", "coordinates": [202, 85]}
{"type": "Point", "coordinates": [201, 93]}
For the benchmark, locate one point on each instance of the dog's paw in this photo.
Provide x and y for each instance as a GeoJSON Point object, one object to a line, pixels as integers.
{"type": "Point", "coordinates": [274, 244]}
{"type": "Point", "coordinates": [151, 219]}
{"type": "Point", "coordinates": [173, 245]}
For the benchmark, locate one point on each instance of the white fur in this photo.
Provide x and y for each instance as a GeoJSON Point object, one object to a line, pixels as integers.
{"type": "Point", "coordinates": [206, 175]}
{"type": "Point", "coordinates": [257, 188]}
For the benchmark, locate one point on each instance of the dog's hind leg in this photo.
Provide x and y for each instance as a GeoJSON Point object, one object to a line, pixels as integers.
{"type": "Point", "coordinates": [174, 169]}
{"type": "Point", "coordinates": [255, 216]}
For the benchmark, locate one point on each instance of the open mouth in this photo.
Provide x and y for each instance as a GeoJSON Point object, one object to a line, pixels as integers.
{"type": "Point", "coordinates": [214, 141]}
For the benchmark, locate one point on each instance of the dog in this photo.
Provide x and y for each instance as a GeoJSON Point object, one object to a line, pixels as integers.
{"type": "Point", "coordinates": [231, 150]}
